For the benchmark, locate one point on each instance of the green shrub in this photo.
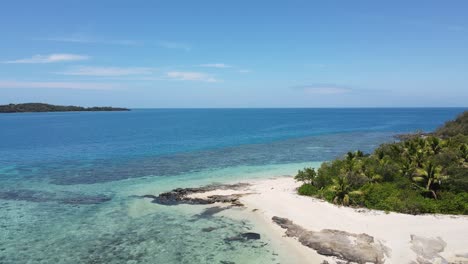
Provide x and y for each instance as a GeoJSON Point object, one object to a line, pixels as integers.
{"type": "Point", "coordinates": [307, 189]}
{"type": "Point", "coordinates": [451, 203]}
{"type": "Point", "coordinates": [392, 203]}
{"type": "Point", "coordinates": [327, 194]}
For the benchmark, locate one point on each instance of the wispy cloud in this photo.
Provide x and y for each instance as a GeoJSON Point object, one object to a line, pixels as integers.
{"type": "Point", "coordinates": [107, 71]}
{"type": "Point", "coordinates": [323, 89]}
{"type": "Point", "coordinates": [59, 85]}
{"type": "Point", "coordinates": [245, 71]}
{"type": "Point", "coordinates": [174, 45]}
{"type": "Point", "coordinates": [191, 76]}
{"type": "Point", "coordinates": [51, 58]}
{"type": "Point", "coordinates": [215, 65]}
{"type": "Point", "coordinates": [86, 39]}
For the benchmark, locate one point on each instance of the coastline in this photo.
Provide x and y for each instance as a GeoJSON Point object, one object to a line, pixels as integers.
{"type": "Point", "coordinates": [402, 234]}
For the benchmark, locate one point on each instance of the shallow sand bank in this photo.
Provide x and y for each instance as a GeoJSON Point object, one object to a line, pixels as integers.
{"type": "Point", "coordinates": [408, 238]}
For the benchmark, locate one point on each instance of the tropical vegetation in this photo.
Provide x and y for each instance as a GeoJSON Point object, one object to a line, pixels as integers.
{"type": "Point", "coordinates": [425, 173]}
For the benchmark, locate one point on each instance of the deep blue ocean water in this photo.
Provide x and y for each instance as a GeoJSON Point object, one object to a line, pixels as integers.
{"type": "Point", "coordinates": [68, 180]}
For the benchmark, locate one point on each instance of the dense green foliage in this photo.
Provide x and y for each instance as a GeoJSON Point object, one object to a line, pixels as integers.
{"type": "Point", "coordinates": [454, 127]}
{"type": "Point", "coordinates": [39, 107]}
{"type": "Point", "coordinates": [422, 174]}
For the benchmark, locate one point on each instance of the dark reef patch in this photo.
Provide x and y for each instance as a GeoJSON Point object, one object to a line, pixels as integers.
{"type": "Point", "coordinates": [210, 212]}
{"type": "Point", "coordinates": [37, 196]}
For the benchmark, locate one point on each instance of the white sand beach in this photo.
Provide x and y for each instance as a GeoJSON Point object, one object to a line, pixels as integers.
{"type": "Point", "coordinates": [436, 238]}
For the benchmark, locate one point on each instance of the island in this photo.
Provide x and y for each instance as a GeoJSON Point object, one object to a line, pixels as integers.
{"type": "Point", "coordinates": [425, 173]}
{"type": "Point", "coordinates": [41, 107]}
{"type": "Point", "coordinates": [384, 207]}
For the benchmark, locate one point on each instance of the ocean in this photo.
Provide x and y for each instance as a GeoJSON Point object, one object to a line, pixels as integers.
{"type": "Point", "coordinates": [70, 182]}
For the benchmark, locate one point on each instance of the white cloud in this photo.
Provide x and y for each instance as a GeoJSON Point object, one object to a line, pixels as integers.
{"type": "Point", "coordinates": [323, 89]}
{"type": "Point", "coordinates": [51, 58]}
{"type": "Point", "coordinates": [60, 85]}
{"type": "Point", "coordinates": [215, 65]}
{"type": "Point", "coordinates": [245, 71]}
{"type": "Point", "coordinates": [191, 76]}
{"type": "Point", "coordinates": [174, 45]}
{"type": "Point", "coordinates": [108, 71]}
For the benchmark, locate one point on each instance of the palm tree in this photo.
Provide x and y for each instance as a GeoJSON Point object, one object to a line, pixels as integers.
{"type": "Point", "coordinates": [341, 187]}
{"type": "Point", "coordinates": [429, 177]}
{"type": "Point", "coordinates": [395, 150]}
{"type": "Point", "coordinates": [436, 145]}
{"type": "Point", "coordinates": [342, 190]}
{"type": "Point", "coordinates": [419, 157]}
{"type": "Point", "coordinates": [371, 174]}
{"type": "Point", "coordinates": [421, 142]}
{"type": "Point", "coordinates": [407, 169]}
{"type": "Point", "coordinates": [409, 150]}
{"type": "Point", "coordinates": [350, 156]}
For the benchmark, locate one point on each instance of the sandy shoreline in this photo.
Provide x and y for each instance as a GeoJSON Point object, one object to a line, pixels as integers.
{"type": "Point", "coordinates": [277, 197]}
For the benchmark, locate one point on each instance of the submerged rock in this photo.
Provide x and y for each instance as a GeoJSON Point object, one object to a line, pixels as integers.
{"type": "Point", "coordinates": [208, 229]}
{"type": "Point", "coordinates": [209, 212]}
{"type": "Point", "coordinates": [359, 248]}
{"type": "Point", "coordinates": [243, 237]}
{"type": "Point", "coordinates": [251, 235]}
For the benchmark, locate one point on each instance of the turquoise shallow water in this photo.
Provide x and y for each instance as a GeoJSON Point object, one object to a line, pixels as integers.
{"type": "Point", "coordinates": [68, 180]}
{"type": "Point", "coordinates": [133, 230]}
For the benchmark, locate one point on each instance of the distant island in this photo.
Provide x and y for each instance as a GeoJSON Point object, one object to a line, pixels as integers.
{"type": "Point", "coordinates": [40, 107]}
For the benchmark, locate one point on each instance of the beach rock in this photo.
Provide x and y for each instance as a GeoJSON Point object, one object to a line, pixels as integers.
{"type": "Point", "coordinates": [358, 248]}
{"type": "Point", "coordinates": [181, 195]}
{"type": "Point", "coordinates": [428, 249]}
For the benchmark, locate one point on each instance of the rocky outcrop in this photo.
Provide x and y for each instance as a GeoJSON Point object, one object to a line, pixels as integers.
{"type": "Point", "coordinates": [358, 248]}
{"type": "Point", "coordinates": [182, 195]}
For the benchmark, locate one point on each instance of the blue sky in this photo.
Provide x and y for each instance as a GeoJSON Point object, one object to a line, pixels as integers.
{"type": "Point", "coordinates": [235, 53]}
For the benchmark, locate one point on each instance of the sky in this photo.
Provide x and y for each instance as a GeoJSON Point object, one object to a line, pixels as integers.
{"type": "Point", "coordinates": [223, 54]}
